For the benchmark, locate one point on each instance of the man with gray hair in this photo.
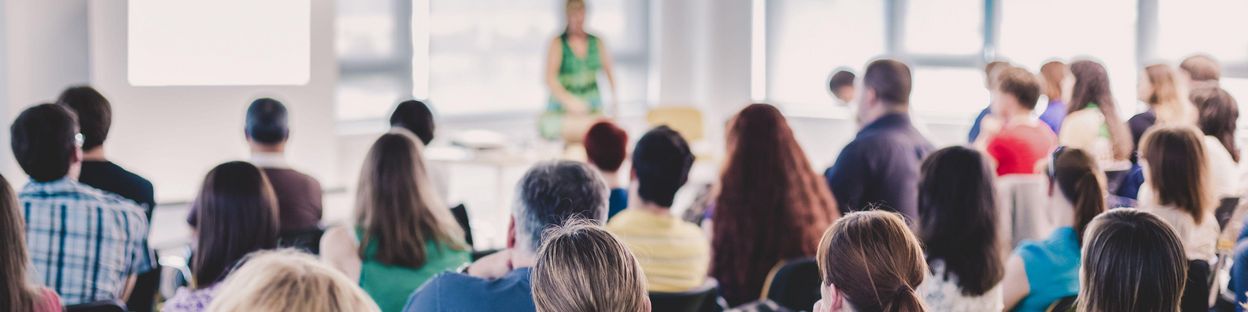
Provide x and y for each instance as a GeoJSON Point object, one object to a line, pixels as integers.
{"type": "Point", "coordinates": [549, 194]}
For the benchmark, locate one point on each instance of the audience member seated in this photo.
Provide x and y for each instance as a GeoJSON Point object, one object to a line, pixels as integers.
{"type": "Point", "coordinates": [288, 280]}
{"type": "Point", "coordinates": [841, 85]}
{"type": "Point", "coordinates": [1177, 188]}
{"type": "Point", "coordinates": [237, 216]}
{"type": "Point", "coordinates": [416, 117]}
{"type": "Point", "coordinates": [674, 254]}
{"type": "Point", "coordinates": [404, 233]}
{"type": "Point", "coordinates": [95, 117]}
{"type": "Point", "coordinates": [606, 146]}
{"type": "Point", "coordinates": [1093, 124]}
{"type": "Point", "coordinates": [880, 167]}
{"type": "Point", "coordinates": [298, 195]}
{"type": "Point", "coordinates": [1011, 135]}
{"type": "Point", "coordinates": [1053, 75]}
{"type": "Point", "coordinates": [582, 267]}
{"type": "Point", "coordinates": [1134, 262]}
{"type": "Point", "coordinates": [16, 292]}
{"type": "Point", "coordinates": [870, 261]}
{"type": "Point", "coordinates": [1041, 272]}
{"type": "Point", "coordinates": [1219, 115]}
{"type": "Point", "coordinates": [1201, 71]}
{"type": "Point", "coordinates": [1166, 99]}
{"type": "Point", "coordinates": [958, 228]}
{"type": "Point", "coordinates": [991, 70]}
{"type": "Point", "coordinates": [771, 206]}
{"type": "Point", "coordinates": [72, 228]}
{"type": "Point", "coordinates": [549, 194]}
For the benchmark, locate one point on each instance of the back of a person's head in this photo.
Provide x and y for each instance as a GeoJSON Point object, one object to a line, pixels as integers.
{"type": "Point", "coordinates": [1054, 73]}
{"type": "Point", "coordinates": [1132, 261]}
{"type": "Point", "coordinates": [15, 293]}
{"type": "Point", "coordinates": [1075, 174]}
{"type": "Point", "coordinates": [890, 81]}
{"type": "Point", "coordinates": [1165, 88]}
{"type": "Point", "coordinates": [95, 114]}
{"type": "Point", "coordinates": [396, 204]}
{"type": "Point", "coordinates": [1202, 68]}
{"type": "Point", "coordinates": [44, 139]}
{"type": "Point", "coordinates": [992, 72]}
{"type": "Point", "coordinates": [553, 192]}
{"type": "Point", "coordinates": [1020, 84]}
{"type": "Point", "coordinates": [606, 146]}
{"type": "Point", "coordinates": [874, 261]}
{"type": "Point", "coordinates": [267, 122]}
{"type": "Point", "coordinates": [1218, 116]}
{"type": "Point", "coordinates": [1174, 158]}
{"type": "Point", "coordinates": [661, 163]}
{"type": "Point", "coordinates": [288, 280]}
{"type": "Point", "coordinates": [237, 215]}
{"type": "Point", "coordinates": [582, 267]}
{"type": "Point", "coordinates": [416, 117]}
{"type": "Point", "coordinates": [958, 211]}
{"type": "Point", "coordinates": [840, 79]}
{"type": "Point", "coordinates": [1092, 88]}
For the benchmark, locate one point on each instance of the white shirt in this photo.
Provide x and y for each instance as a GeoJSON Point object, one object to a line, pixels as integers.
{"type": "Point", "coordinates": [941, 294]}
{"type": "Point", "coordinates": [1200, 241]}
{"type": "Point", "coordinates": [269, 160]}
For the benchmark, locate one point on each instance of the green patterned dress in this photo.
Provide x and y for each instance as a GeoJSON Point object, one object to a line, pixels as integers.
{"type": "Point", "coordinates": [578, 75]}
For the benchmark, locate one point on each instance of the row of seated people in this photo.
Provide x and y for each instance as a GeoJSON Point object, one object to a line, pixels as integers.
{"type": "Point", "coordinates": [769, 206]}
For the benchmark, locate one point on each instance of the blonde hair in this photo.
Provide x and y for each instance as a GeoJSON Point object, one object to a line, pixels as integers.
{"type": "Point", "coordinates": [396, 205]}
{"type": "Point", "coordinates": [574, 5]}
{"type": "Point", "coordinates": [582, 267]}
{"type": "Point", "coordinates": [288, 280]}
{"type": "Point", "coordinates": [1168, 99]}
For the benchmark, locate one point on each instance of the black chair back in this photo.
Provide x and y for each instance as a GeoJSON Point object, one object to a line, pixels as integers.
{"type": "Point", "coordinates": [1065, 304]}
{"type": "Point", "coordinates": [702, 299]}
{"type": "Point", "coordinates": [98, 306]}
{"type": "Point", "coordinates": [306, 240]}
{"type": "Point", "coordinates": [461, 216]}
{"type": "Point", "coordinates": [795, 284]}
{"type": "Point", "coordinates": [1199, 281]}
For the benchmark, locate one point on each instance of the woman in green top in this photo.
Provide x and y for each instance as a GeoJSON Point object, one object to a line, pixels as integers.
{"type": "Point", "coordinates": [403, 233]}
{"type": "Point", "coordinates": [572, 64]}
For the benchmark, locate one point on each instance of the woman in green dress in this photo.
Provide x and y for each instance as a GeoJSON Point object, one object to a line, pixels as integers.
{"type": "Point", "coordinates": [572, 64]}
{"type": "Point", "coordinates": [403, 234]}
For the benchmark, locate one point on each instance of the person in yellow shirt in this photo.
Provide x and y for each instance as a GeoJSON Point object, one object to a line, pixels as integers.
{"type": "Point", "coordinates": [674, 254]}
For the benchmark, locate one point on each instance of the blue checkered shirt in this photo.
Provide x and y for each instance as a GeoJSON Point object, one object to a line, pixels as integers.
{"type": "Point", "coordinates": [84, 243]}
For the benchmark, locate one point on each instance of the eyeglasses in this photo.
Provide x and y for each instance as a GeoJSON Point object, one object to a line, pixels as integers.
{"type": "Point", "coordinates": [1052, 170]}
{"type": "Point", "coordinates": [79, 139]}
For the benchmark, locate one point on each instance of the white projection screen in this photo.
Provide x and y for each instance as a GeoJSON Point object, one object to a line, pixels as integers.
{"type": "Point", "coordinates": [218, 42]}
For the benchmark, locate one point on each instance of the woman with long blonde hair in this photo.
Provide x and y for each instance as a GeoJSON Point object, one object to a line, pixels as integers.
{"type": "Point", "coordinates": [582, 267]}
{"type": "Point", "coordinates": [288, 280]}
{"type": "Point", "coordinates": [1167, 101]}
{"type": "Point", "coordinates": [16, 292]}
{"type": "Point", "coordinates": [403, 234]}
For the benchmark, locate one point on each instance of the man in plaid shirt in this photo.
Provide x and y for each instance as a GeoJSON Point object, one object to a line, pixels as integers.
{"type": "Point", "coordinates": [85, 244]}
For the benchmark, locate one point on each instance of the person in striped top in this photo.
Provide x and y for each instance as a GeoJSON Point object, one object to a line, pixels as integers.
{"type": "Point", "coordinates": [674, 254]}
{"type": "Point", "coordinates": [85, 244]}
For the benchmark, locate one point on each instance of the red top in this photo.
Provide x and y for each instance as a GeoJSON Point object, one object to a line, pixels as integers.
{"type": "Point", "coordinates": [48, 302]}
{"type": "Point", "coordinates": [1018, 147]}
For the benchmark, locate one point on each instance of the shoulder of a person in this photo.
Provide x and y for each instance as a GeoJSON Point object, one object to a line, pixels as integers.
{"type": "Point", "coordinates": [109, 200]}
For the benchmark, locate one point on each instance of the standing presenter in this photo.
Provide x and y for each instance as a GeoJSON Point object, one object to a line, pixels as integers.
{"type": "Point", "coordinates": [573, 61]}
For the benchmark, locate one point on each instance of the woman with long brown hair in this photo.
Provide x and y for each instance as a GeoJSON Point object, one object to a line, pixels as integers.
{"type": "Point", "coordinates": [1092, 123]}
{"type": "Point", "coordinates": [403, 234]}
{"type": "Point", "coordinates": [1166, 99]}
{"type": "Point", "coordinates": [870, 261]}
{"type": "Point", "coordinates": [1132, 262]}
{"type": "Point", "coordinates": [16, 294]}
{"type": "Point", "coordinates": [1177, 187]}
{"type": "Point", "coordinates": [1218, 121]}
{"type": "Point", "coordinates": [771, 206]}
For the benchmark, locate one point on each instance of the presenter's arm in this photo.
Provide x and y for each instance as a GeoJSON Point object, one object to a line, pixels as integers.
{"type": "Point", "coordinates": [608, 67]}
{"type": "Point", "coordinates": [554, 57]}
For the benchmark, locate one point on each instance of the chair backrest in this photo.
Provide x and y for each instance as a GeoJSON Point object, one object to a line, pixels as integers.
{"type": "Point", "coordinates": [98, 306]}
{"type": "Point", "coordinates": [461, 216]}
{"type": "Point", "coordinates": [701, 299]}
{"type": "Point", "coordinates": [1022, 204]}
{"type": "Point", "coordinates": [794, 284]}
{"type": "Point", "coordinates": [1199, 281]}
{"type": "Point", "coordinates": [684, 119]}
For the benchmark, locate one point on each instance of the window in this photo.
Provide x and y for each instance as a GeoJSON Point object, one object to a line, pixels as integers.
{"type": "Point", "coordinates": [944, 27]}
{"type": "Point", "coordinates": [474, 57]}
{"type": "Point", "coordinates": [808, 39]}
{"type": "Point", "coordinates": [1188, 27]}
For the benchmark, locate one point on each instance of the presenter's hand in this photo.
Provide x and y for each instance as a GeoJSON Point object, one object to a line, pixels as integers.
{"type": "Point", "coordinates": [576, 106]}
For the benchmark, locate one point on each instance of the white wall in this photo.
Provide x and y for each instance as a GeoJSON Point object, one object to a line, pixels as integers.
{"type": "Point", "coordinates": [173, 135]}
{"type": "Point", "coordinates": [44, 49]}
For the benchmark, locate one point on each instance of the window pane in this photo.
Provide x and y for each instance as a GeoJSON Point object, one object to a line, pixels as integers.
{"type": "Point", "coordinates": [1215, 27]}
{"type": "Point", "coordinates": [1033, 32]}
{"type": "Point", "coordinates": [365, 30]}
{"type": "Point", "coordinates": [366, 96]}
{"type": "Point", "coordinates": [949, 93]}
{"type": "Point", "coordinates": [944, 27]}
{"type": "Point", "coordinates": [808, 39]}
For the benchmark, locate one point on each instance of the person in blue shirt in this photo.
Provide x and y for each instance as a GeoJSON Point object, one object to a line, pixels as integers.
{"type": "Point", "coordinates": [880, 167]}
{"type": "Point", "coordinates": [1040, 273]}
{"type": "Point", "coordinates": [549, 194]}
{"type": "Point", "coordinates": [990, 81]}
{"type": "Point", "coordinates": [1054, 75]}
